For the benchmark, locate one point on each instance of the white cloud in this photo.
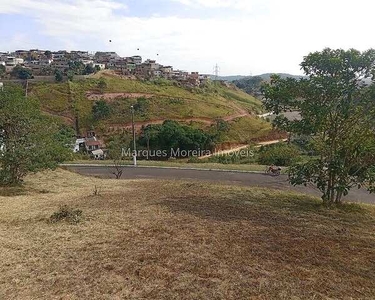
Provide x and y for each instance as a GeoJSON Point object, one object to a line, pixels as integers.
{"type": "Point", "coordinates": [68, 8]}
{"type": "Point", "coordinates": [272, 42]}
{"type": "Point", "coordinates": [247, 5]}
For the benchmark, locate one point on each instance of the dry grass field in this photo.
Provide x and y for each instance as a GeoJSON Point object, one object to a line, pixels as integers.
{"type": "Point", "coordinates": [180, 240]}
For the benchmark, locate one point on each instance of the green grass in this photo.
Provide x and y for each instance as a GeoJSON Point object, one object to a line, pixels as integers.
{"type": "Point", "coordinates": [160, 107]}
{"type": "Point", "coordinates": [169, 101]}
{"type": "Point", "coordinates": [246, 129]}
{"type": "Point", "coordinates": [53, 97]}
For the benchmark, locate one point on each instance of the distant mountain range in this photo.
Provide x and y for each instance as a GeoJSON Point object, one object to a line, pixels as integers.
{"type": "Point", "coordinates": [265, 76]}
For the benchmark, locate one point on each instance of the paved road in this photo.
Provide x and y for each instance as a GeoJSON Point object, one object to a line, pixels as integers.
{"type": "Point", "coordinates": [238, 178]}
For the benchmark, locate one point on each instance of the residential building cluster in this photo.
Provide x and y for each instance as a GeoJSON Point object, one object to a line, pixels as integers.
{"type": "Point", "coordinates": [43, 62]}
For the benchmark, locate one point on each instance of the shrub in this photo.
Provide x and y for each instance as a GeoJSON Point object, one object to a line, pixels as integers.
{"type": "Point", "coordinates": [101, 110]}
{"type": "Point", "coordinates": [59, 76]}
{"type": "Point", "coordinates": [279, 154]}
{"type": "Point", "coordinates": [142, 105]}
{"type": "Point", "coordinates": [67, 214]}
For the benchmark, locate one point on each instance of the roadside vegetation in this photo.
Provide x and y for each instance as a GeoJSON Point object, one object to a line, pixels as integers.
{"type": "Point", "coordinates": [337, 110]}
{"type": "Point", "coordinates": [29, 141]}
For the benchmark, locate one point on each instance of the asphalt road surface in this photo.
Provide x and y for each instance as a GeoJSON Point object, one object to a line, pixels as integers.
{"type": "Point", "coordinates": [226, 177]}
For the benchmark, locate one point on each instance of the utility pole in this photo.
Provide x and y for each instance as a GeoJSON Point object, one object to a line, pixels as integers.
{"type": "Point", "coordinates": [134, 143]}
{"type": "Point", "coordinates": [27, 86]}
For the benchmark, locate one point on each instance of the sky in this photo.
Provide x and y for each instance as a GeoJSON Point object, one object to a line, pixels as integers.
{"type": "Point", "coordinates": [244, 37]}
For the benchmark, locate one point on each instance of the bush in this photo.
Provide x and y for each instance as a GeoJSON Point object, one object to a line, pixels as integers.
{"type": "Point", "coordinates": [279, 154]}
{"type": "Point", "coordinates": [67, 214]}
{"type": "Point", "coordinates": [101, 110]}
{"type": "Point", "coordinates": [142, 106]}
{"type": "Point", "coordinates": [59, 76]}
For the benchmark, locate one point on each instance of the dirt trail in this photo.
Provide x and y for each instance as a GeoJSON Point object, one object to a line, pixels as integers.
{"type": "Point", "coordinates": [68, 120]}
{"type": "Point", "coordinates": [260, 144]}
{"type": "Point", "coordinates": [208, 121]}
{"type": "Point", "coordinates": [241, 112]}
{"type": "Point", "coordinates": [244, 146]}
{"type": "Point", "coordinates": [138, 125]}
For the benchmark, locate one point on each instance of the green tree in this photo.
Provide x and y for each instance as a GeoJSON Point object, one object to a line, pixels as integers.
{"type": "Point", "coordinates": [102, 85]}
{"type": "Point", "coordinates": [77, 67]}
{"type": "Point", "coordinates": [58, 76]}
{"type": "Point", "coordinates": [337, 114]}
{"type": "Point", "coordinates": [251, 85]}
{"type": "Point", "coordinates": [89, 69]}
{"type": "Point", "coordinates": [28, 138]}
{"type": "Point", "coordinates": [172, 135]}
{"type": "Point", "coordinates": [101, 110]}
{"type": "Point", "coordinates": [65, 135]}
{"type": "Point", "coordinates": [21, 73]}
{"type": "Point", "coordinates": [219, 130]}
{"type": "Point", "coordinates": [142, 105]}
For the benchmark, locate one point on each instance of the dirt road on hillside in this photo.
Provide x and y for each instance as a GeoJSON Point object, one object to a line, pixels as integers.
{"type": "Point", "coordinates": [241, 112]}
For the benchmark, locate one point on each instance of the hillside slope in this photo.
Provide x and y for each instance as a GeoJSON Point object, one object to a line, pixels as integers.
{"type": "Point", "coordinates": [155, 102]}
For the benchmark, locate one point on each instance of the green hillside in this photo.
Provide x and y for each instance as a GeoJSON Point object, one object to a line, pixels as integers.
{"type": "Point", "coordinates": [155, 101]}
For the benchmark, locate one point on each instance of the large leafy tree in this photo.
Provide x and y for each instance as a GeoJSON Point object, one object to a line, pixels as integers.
{"type": "Point", "coordinates": [172, 135]}
{"type": "Point", "coordinates": [89, 69]}
{"type": "Point", "coordinates": [337, 109]}
{"type": "Point", "coordinates": [77, 67]}
{"type": "Point", "coordinates": [29, 141]}
{"type": "Point", "coordinates": [21, 72]}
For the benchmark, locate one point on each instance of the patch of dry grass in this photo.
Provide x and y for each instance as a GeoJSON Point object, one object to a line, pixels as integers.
{"type": "Point", "coordinates": [181, 240]}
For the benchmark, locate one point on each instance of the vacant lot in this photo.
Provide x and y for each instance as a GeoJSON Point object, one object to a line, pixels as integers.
{"type": "Point", "coordinates": [180, 240]}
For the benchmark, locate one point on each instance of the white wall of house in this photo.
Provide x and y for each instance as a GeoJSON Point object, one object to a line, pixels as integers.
{"type": "Point", "coordinates": [76, 146]}
{"type": "Point", "coordinates": [100, 66]}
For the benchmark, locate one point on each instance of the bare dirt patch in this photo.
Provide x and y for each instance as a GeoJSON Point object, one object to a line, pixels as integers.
{"type": "Point", "coordinates": [181, 240]}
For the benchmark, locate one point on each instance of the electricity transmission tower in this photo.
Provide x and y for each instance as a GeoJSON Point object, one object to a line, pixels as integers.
{"type": "Point", "coordinates": [216, 71]}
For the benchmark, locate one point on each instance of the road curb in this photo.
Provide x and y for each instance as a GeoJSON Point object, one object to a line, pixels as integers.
{"type": "Point", "coordinates": [161, 167]}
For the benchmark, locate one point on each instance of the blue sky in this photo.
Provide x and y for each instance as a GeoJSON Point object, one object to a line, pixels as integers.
{"type": "Point", "coordinates": [242, 36]}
